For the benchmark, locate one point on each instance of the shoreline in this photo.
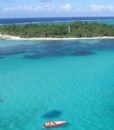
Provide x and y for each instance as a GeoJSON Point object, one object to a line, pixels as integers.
{"type": "Point", "coordinates": [9, 37]}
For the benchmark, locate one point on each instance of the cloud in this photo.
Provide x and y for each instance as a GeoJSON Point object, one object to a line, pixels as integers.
{"type": "Point", "coordinates": [101, 8]}
{"type": "Point", "coordinates": [66, 7]}
{"type": "Point", "coordinates": [40, 8]}
{"type": "Point", "coordinates": [29, 8]}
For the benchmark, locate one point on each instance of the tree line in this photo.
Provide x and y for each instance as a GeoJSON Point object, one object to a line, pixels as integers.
{"type": "Point", "coordinates": [76, 29]}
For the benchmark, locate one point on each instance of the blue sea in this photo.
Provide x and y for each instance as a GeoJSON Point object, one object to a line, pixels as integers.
{"type": "Point", "coordinates": [57, 80]}
{"type": "Point", "coordinates": [56, 20]}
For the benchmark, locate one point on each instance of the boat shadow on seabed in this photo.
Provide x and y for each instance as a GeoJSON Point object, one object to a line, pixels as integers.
{"type": "Point", "coordinates": [52, 114]}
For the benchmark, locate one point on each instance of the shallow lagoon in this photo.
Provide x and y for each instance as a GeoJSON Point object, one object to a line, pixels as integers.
{"type": "Point", "coordinates": [57, 80]}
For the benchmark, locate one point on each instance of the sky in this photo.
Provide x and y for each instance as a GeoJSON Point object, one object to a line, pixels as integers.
{"type": "Point", "coordinates": [55, 8]}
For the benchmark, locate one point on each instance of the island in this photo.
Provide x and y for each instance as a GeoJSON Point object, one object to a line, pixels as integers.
{"type": "Point", "coordinates": [75, 30]}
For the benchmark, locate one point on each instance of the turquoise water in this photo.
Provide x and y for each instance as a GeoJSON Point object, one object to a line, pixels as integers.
{"type": "Point", "coordinates": [57, 80]}
{"type": "Point", "coordinates": [106, 21]}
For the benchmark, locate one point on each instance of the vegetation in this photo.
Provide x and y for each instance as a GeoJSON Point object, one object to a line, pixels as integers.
{"type": "Point", "coordinates": [77, 29]}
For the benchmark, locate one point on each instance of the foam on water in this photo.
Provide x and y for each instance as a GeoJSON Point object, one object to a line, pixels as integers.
{"type": "Point", "coordinates": [76, 85]}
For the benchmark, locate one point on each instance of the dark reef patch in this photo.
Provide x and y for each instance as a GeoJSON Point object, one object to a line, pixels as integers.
{"type": "Point", "coordinates": [34, 56]}
{"type": "Point", "coordinates": [1, 57]}
{"type": "Point", "coordinates": [84, 53]}
{"type": "Point", "coordinates": [64, 52]}
{"type": "Point", "coordinates": [52, 114]}
{"type": "Point", "coordinates": [12, 50]}
{"type": "Point", "coordinates": [56, 48]}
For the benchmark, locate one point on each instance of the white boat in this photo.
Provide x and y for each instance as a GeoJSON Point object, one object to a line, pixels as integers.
{"type": "Point", "coordinates": [52, 124]}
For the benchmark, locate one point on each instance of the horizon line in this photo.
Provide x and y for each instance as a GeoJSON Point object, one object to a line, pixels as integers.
{"type": "Point", "coordinates": [61, 17]}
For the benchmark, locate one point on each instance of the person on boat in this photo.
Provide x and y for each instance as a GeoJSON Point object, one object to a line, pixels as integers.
{"type": "Point", "coordinates": [54, 122]}
{"type": "Point", "coordinates": [50, 123]}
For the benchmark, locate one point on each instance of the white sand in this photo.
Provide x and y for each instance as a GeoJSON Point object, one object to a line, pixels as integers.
{"type": "Point", "coordinates": [9, 37]}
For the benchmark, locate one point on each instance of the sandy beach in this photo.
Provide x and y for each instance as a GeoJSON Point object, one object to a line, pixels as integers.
{"type": "Point", "coordinates": [9, 37]}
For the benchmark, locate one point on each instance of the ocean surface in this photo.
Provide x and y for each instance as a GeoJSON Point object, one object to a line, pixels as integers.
{"type": "Point", "coordinates": [56, 20]}
{"type": "Point", "coordinates": [57, 80]}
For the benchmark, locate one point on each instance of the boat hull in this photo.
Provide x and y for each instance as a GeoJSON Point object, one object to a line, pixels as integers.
{"type": "Point", "coordinates": [56, 124]}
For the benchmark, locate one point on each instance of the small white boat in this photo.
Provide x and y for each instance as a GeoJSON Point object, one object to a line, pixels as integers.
{"type": "Point", "coordinates": [52, 124]}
